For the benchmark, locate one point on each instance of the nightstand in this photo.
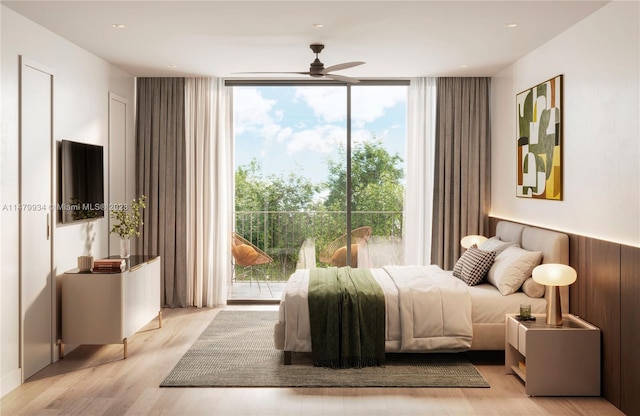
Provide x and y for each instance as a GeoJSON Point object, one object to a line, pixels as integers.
{"type": "Point", "coordinates": [554, 360]}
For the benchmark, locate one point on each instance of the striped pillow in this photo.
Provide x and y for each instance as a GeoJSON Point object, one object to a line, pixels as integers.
{"type": "Point", "coordinates": [473, 265]}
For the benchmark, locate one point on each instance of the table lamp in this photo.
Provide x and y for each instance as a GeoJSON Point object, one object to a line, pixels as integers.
{"type": "Point", "coordinates": [470, 240]}
{"type": "Point", "coordinates": [554, 275]}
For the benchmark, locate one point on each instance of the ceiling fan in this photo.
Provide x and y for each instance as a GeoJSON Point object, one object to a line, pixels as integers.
{"type": "Point", "coordinates": [317, 69]}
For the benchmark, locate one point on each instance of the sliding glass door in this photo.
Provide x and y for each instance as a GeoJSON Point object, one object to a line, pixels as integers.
{"type": "Point", "coordinates": [313, 162]}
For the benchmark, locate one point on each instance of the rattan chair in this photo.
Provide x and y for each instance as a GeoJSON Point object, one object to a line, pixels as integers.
{"type": "Point", "coordinates": [335, 253]}
{"type": "Point", "coordinates": [248, 256]}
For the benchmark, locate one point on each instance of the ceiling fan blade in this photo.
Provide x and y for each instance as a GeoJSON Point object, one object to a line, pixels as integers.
{"type": "Point", "coordinates": [342, 78]}
{"type": "Point", "coordinates": [339, 67]}
{"type": "Point", "coordinates": [280, 72]}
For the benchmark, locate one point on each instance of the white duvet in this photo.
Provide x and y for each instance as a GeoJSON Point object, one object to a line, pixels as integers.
{"type": "Point", "coordinates": [426, 310]}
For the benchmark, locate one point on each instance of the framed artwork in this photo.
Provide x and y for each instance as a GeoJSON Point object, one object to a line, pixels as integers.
{"type": "Point", "coordinates": [539, 158]}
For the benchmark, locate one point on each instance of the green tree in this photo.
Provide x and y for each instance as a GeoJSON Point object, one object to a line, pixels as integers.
{"type": "Point", "coordinates": [376, 186]}
{"type": "Point", "coordinates": [376, 179]}
{"type": "Point", "coordinates": [284, 192]}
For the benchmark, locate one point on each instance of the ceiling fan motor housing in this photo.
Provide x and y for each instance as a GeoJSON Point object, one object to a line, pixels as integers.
{"type": "Point", "coordinates": [316, 68]}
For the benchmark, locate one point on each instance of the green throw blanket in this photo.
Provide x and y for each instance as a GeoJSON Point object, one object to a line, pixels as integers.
{"type": "Point", "coordinates": [347, 317]}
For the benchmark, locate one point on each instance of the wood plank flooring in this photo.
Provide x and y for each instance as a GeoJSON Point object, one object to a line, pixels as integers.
{"type": "Point", "coordinates": [95, 380]}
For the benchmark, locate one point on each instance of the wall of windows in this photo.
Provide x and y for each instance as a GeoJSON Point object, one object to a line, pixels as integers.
{"type": "Point", "coordinates": [313, 161]}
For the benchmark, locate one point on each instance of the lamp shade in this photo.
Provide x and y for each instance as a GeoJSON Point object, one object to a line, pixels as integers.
{"type": "Point", "coordinates": [470, 240]}
{"type": "Point", "coordinates": [554, 274]}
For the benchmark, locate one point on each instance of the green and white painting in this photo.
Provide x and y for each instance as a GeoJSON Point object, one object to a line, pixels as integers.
{"type": "Point", "coordinates": [539, 158]}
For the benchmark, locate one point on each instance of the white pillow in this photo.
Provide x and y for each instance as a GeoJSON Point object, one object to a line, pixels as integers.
{"type": "Point", "coordinates": [532, 288]}
{"type": "Point", "coordinates": [495, 244]}
{"type": "Point", "coordinates": [511, 268]}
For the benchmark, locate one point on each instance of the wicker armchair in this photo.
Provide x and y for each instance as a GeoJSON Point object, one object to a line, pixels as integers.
{"type": "Point", "coordinates": [247, 256]}
{"type": "Point", "coordinates": [335, 253]}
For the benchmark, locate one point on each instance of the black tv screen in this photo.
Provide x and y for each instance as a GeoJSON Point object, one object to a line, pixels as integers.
{"type": "Point", "coordinates": [82, 181]}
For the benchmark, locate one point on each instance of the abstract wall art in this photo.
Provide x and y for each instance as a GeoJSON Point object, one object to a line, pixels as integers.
{"type": "Point", "coordinates": [539, 147]}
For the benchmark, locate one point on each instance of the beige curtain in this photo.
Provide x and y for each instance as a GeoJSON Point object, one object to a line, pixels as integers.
{"type": "Point", "coordinates": [420, 158]}
{"type": "Point", "coordinates": [462, 174]}
{"type": "Point", "coordinates": [160, 175]}
{"type": "Point", "coordinates": [209, 159]}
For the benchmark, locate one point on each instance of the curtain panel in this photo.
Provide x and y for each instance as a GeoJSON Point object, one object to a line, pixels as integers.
{"type": "Point", "coordinates": [420, 157]}
{"type": "Point", "coordinates": [209, 149]}
{"type": "Point", "coordinates": [462, 190]}
{"type": "Point", "coordinates": [160, 173]}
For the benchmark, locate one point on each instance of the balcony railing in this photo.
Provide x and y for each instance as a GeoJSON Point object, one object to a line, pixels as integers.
{"type": "Point", "coordinates": [282, 234]}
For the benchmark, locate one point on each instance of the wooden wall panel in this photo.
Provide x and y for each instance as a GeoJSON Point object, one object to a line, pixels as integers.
{"type": "Point", "coordinates": [602, 308]}
{"type": "Point", "coordinates": [607, 294]}
{"type": "Point", "coordinates": [578, 290]}
{"type": "Point", "coordinates": [630, 330]}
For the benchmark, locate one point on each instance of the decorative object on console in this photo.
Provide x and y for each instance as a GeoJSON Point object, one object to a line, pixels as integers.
{"type": "Point", "coordinates": [470, 240]}
{"type": "Point", "coordinates": [128, 224]}
{"type": "Point", "coordinates": [555, 275]}
{"type": "Point", "coordinates": [109, 265]}
{"type": "Point", "coordinates": [539, 141]}
{"type": "Point", "coordinates": [85, 263]}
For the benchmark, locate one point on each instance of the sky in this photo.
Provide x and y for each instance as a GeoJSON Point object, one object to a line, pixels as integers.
{"type": "Point", "coordinates": [297, 128]}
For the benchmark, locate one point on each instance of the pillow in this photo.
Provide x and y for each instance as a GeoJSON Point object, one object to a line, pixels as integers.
{"type": "Point", "coordinates": [497, 245]}
{"type": "Point", "coordinates": [511, 268]}
{"type": "Point", "coordinates": [339, 257]}
{"type": "Point", "coordinates": [473, 265]}
{"type": "Point", "coordinates": [532, 288]}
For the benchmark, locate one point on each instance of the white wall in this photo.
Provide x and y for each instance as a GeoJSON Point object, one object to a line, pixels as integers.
{"type": "Point", "coordinates": [81, 97]}
{"type": "Point", "coordinates": [600, 60]}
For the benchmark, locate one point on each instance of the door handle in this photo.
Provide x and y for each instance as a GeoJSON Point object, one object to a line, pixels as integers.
{"type": "Point", "coordinates": [48, 227]}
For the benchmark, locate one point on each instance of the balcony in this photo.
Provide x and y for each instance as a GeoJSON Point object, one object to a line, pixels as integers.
{"type": "Point", "coordinates": [294, 240]}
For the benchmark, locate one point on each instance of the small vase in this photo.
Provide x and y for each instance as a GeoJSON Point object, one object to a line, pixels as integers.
{"type": "Point", "coordinates": [125, 247]}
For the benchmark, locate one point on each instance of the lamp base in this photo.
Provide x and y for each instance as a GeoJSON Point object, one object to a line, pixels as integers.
{"type": "Point", "coordinates": [554, 306]}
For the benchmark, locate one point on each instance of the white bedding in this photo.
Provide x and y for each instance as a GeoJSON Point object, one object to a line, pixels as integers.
{"type": "Point", "coordinates": [426, 309]}
{"type": "Point", "coordinates": [488, 305]}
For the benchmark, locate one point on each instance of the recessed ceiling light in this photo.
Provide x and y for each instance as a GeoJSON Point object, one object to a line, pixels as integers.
{"type": "Point", "coordinates": [464, 66]}
{"type": "Point", "coordinates": [118, 26]}
{"type": "Point", "coordinates": [171, 66]}
{"type": "Point", "coordinates": [511, 25]}
{"type": "Point", "coordinates": [318, 25]}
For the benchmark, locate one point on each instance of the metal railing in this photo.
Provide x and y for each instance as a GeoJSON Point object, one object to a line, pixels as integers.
{"type": "Point", "coordinates": [281, 234]}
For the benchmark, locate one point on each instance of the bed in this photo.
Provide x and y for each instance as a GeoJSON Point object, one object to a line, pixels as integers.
{"type": "Point", "coordinates": [467, 315]}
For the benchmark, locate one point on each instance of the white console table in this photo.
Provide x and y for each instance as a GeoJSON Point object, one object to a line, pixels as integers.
{"type": "Point", "coordinates": [108, 308]}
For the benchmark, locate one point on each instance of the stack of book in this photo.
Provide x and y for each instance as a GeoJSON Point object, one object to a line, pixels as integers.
{"type": "Point", "coordinates": [109, 265]}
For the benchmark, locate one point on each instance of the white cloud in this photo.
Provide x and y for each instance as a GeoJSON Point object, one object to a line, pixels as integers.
{"type": "Point", "coordinates": [265, 118]}
{"type": "Point", "coordinates": [327, 103]}
{"type": "Point", "coordinates": [368, 102]}
{"type": "Point", "coordinates": [323, 139]}
{"type": "Point", "coordinates": [254, 113]}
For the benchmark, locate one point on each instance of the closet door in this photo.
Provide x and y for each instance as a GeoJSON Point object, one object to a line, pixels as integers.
{"type": "Point", "coordinates": [36, 142]}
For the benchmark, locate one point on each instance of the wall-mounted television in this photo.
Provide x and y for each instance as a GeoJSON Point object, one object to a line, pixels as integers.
{"type": "Point", "coordinates": [82, 181]}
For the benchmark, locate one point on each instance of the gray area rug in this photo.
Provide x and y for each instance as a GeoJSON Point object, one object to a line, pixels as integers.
{"type": "Point", "coordinates": [237, 350]}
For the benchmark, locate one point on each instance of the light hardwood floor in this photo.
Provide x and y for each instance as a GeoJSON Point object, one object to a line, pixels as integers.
{"type": "Point", "coordinates": [95, 380]}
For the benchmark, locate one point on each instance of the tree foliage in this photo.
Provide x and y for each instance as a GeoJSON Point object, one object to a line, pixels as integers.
{"type": "Point", "coordinates": [376, 179]}
{"type": "Point", "coordinates": [271, 206]}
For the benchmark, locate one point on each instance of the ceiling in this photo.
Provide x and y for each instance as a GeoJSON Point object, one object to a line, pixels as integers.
{"type": "Point", "coordinates": [396, 39]}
